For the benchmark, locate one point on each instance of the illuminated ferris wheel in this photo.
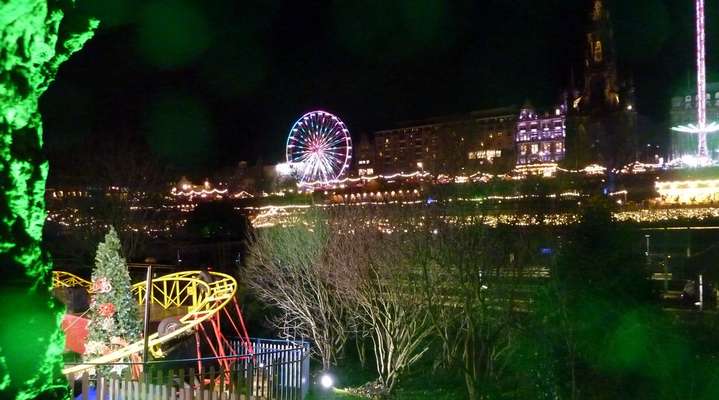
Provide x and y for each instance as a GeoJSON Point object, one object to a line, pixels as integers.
{"type": "Point", "coordinates": [319, 147]}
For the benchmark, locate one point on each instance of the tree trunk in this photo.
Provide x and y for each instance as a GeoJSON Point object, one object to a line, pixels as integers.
{"type": "Point", "coordinates": [361, 351]}
{"type": "Point", "coordinates": [573, 368]}
{"type": "Point", "coordinates": [470, 370]}
{"type": "Point", "coordinates": [31, 343]}
{"type": "Point", "coordinates": [471, 385]}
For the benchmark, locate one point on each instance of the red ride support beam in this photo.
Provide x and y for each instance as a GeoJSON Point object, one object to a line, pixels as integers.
{"type": "Point", "coordinates": [199, 353]}
{"type": "Point", "coordinates": [220, 348]}
{"type": "Point", "coordinates": [244, 329]}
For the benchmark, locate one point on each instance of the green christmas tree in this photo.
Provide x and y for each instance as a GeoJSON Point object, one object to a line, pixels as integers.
{"type": "Point", "coordinates": [114, 316]}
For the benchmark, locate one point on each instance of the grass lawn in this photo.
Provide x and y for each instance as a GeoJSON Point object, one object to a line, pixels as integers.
{"type": "Point", "coordinates": [422, 384]}
{"type": "Point", "coordinates": [334, 394]}
{"type": "Point", "coordinates": [400, 394]}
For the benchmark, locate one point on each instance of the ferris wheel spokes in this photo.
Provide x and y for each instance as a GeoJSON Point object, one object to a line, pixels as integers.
{"type": "Point", "coordinates": [319, 146]}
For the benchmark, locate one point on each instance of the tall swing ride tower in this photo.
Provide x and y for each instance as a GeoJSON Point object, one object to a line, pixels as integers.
{"type": "Point", "coordinates": [702, 128]}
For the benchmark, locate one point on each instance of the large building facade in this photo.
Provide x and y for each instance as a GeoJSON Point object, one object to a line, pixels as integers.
{"type": "Point", "coordinates": [476, 141]}
{"type": "Point", "coordinates": [540, 138]}
{"type": "Point", "coordinates": [683, 111]}
{"type": "Point", "coordinates": [364, 156]}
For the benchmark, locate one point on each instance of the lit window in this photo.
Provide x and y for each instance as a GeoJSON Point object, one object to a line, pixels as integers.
{"type": "Point", "coordinates": [558, 147]}
{"type": "Point", "coordinates": [598, 52]}
{"type": "Point", "coordinates": [546, 148]}
{"type": "Point", "coordinates": [535, 148]}
{"type": "Point", "coordinates": [472, 156]}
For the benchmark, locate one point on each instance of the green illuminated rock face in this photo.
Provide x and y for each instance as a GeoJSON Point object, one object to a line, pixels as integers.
{"type": "Point", "coordinates": [36, 36]}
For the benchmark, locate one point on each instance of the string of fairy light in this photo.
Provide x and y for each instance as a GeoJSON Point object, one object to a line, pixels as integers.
{"type": "Point", "coordinates": [284, 216]}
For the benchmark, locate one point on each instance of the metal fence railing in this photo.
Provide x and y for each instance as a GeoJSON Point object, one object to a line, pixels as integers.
{"type": "Point", "coordinates": [289, 358]}
{"type": "Point", "coordinates": [271, 370]}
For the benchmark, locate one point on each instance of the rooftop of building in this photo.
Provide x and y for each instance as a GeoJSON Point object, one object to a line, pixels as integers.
{"type": "Point", "coordinates": [499, 112]}
{"type": "Point", "coordinates": [711, 88]}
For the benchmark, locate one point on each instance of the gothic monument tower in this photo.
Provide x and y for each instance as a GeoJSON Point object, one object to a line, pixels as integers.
{"type": "Point", "coordinates": [600, 70]}
{"type": "Point", "coordinates": [602, 118]}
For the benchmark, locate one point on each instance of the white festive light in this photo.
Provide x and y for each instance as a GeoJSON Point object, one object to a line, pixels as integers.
{"type": "Point", "coordinates": [203, 192]}
{"type": "Point", "coordinates": [337, 182]}
{"type": "Point", "coordinates": [697, 192]}
{"type": "Point", "coordinates": [326, 381]}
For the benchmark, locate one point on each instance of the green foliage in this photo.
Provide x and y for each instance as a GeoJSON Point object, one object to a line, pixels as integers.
{"type": "Point", "coordinates": [600, 261]}
{"type": "Point", "coordinates": [35, 38]}
{"type": "Point", "coordinates": [596, 314]}
{"type": "Point", "coordinates": [114, 314]}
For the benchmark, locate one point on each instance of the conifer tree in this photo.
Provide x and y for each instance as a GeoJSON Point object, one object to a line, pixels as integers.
{"type": "Point", "coordinates": [114, 313]}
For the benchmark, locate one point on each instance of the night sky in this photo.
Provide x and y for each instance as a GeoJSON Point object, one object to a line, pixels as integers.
{"type": "Point", "coordinates": [205, 84]}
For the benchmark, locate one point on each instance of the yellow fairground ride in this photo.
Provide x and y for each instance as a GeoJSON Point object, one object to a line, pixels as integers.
{"type": "Point", "coordinates": [205, 294]}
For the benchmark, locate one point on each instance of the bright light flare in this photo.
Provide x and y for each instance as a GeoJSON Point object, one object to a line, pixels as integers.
{"type": "Point", "coordinates": [283, 169]}
{"type": "Point", "coordinates": [327, 381]}
{"type": "Point", "coordinates": [691, 128]}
